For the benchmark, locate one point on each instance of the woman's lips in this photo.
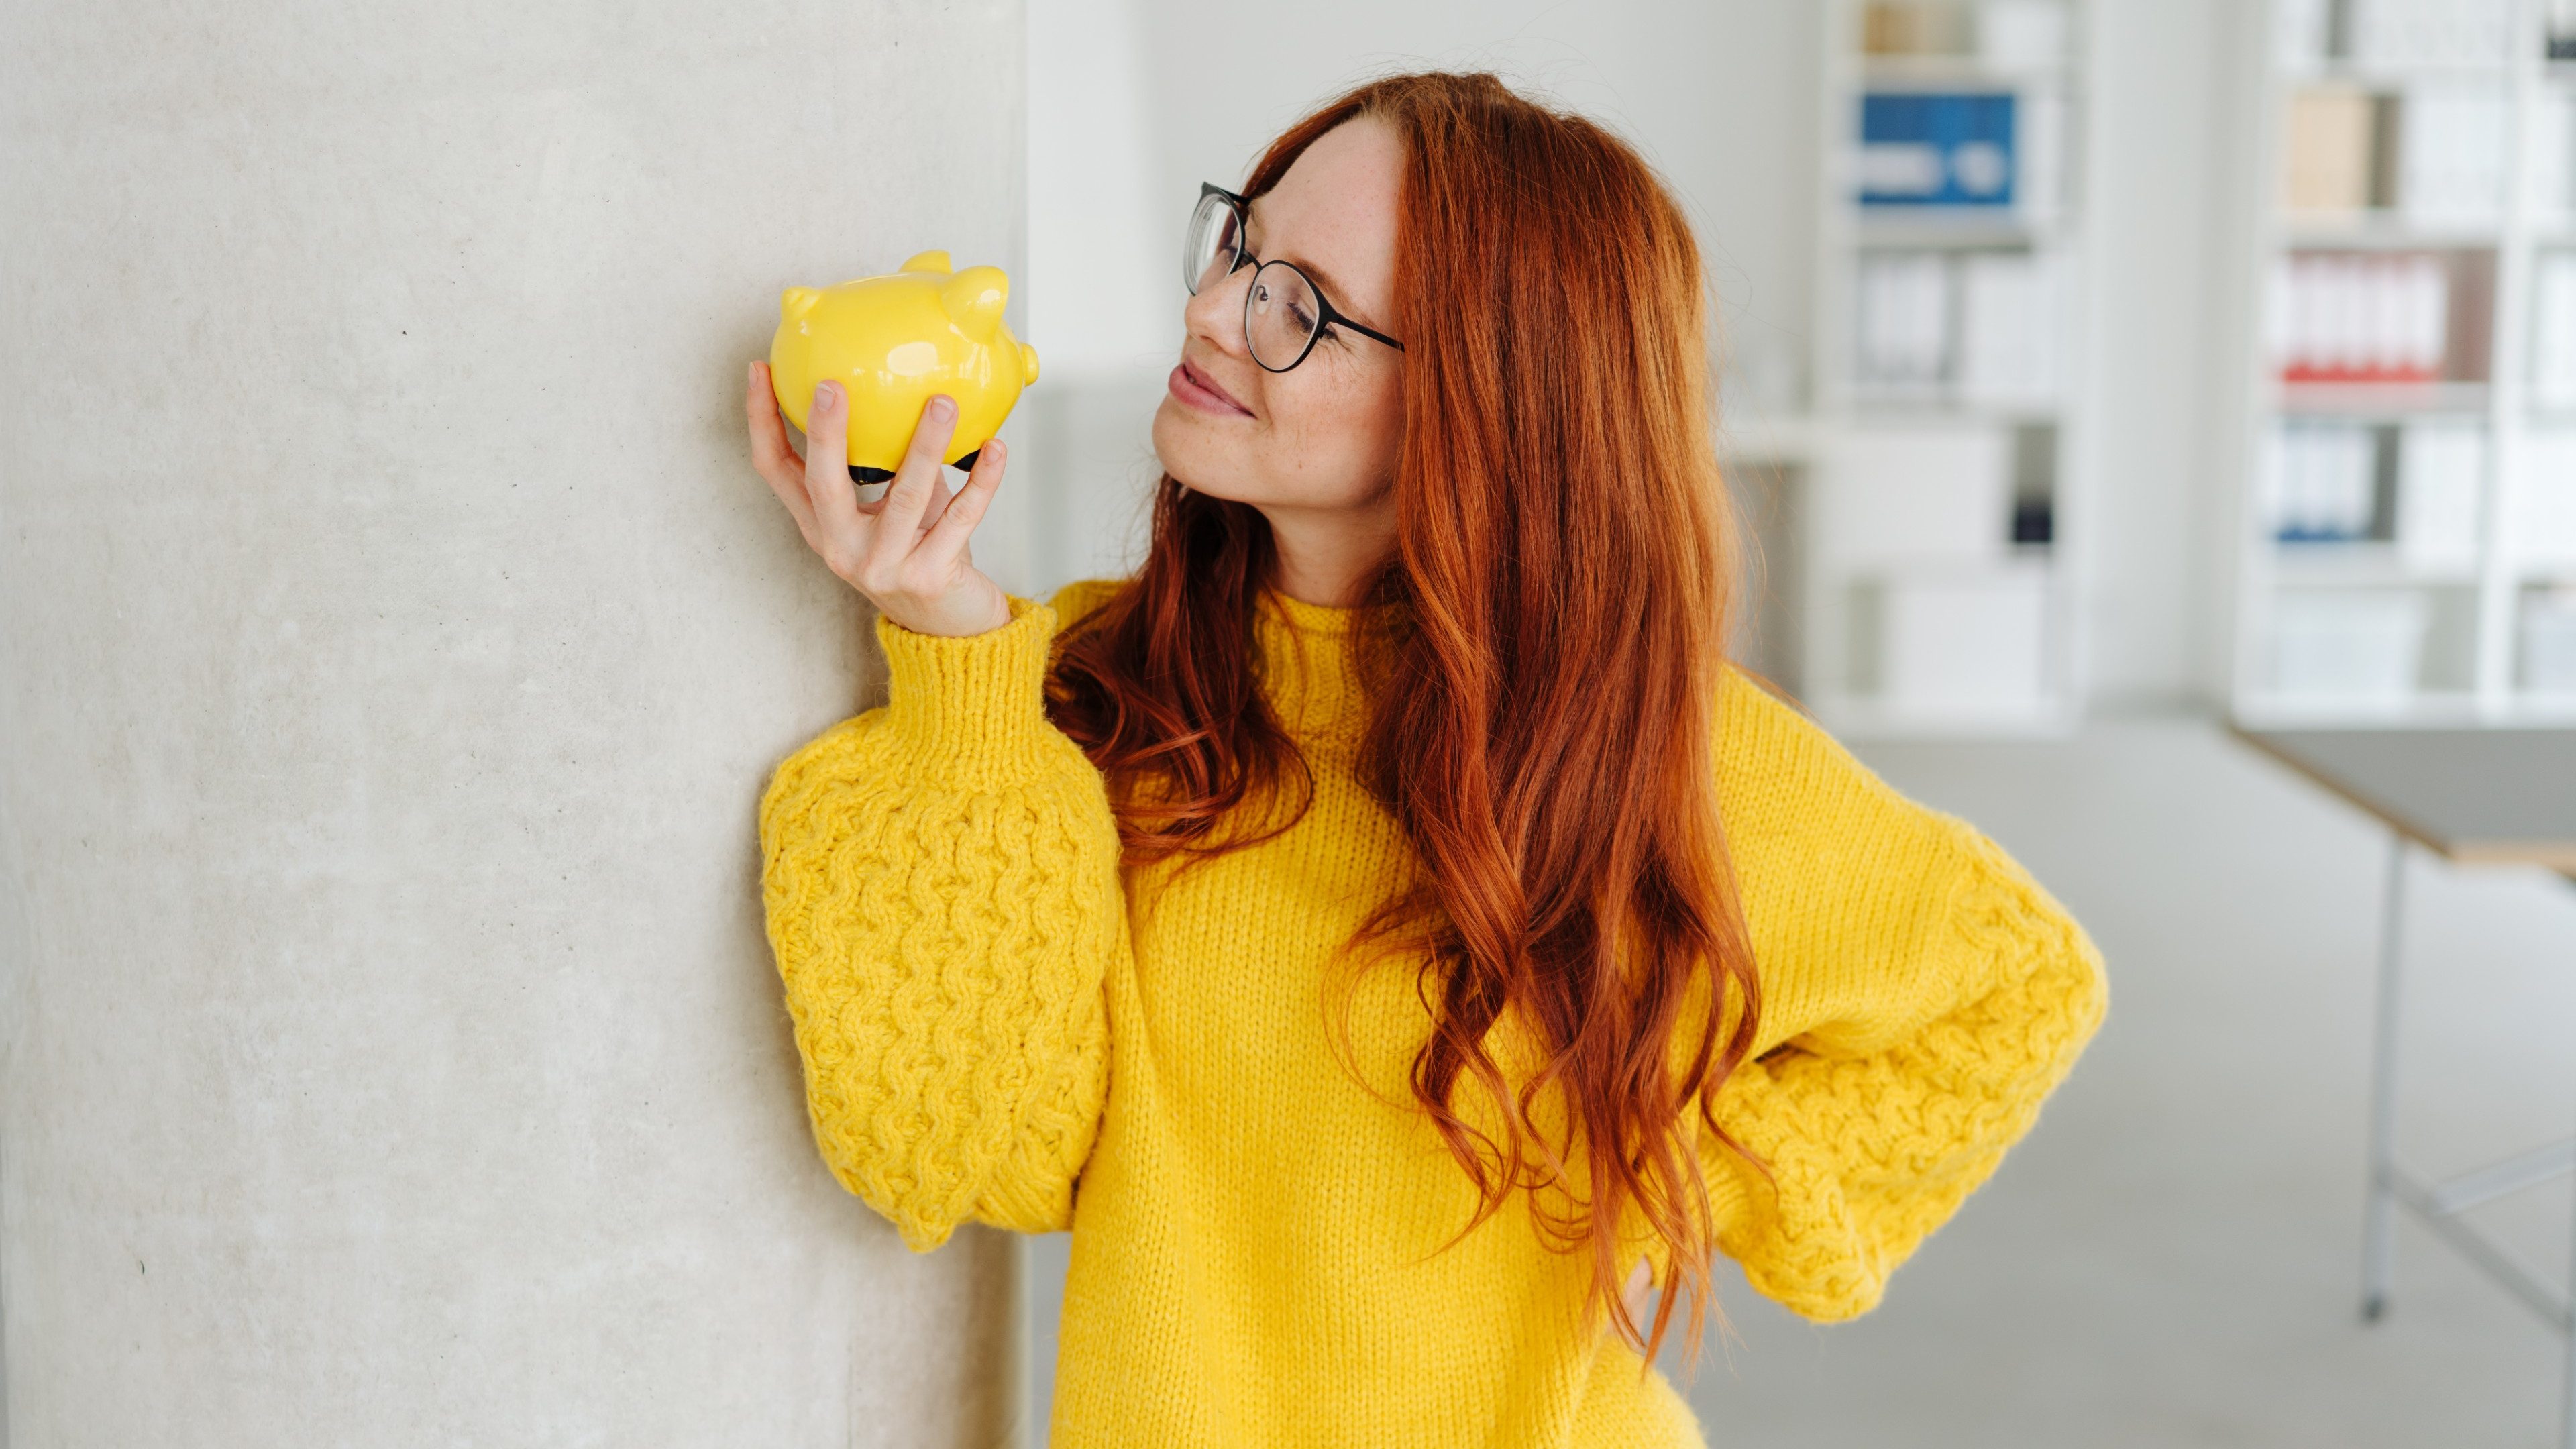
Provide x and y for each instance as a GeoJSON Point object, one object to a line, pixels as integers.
{"type": "Point", "coordinates": [1195, 390]}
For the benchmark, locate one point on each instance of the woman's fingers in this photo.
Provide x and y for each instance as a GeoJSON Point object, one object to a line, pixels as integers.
{"type": "Point", "coordinates": [842, 532]}
{"type": "Point", "coordinates": [947, 538]}
{"type": "Point", "coordinates": [907, 500]}
{"type": "Point", "coordinates": [778, 463]}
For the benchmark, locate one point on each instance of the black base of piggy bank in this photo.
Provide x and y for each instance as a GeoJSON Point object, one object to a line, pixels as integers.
{"type": "Point", "coordinates": [869, 477]}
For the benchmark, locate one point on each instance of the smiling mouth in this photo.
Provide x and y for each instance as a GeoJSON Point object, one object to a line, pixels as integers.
{"type": "Point", "coordinates": [1192, 386]}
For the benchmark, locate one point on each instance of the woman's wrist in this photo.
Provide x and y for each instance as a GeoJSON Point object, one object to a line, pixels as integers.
{"type": "Point", "coordinates": [972, 706]}
{"type": "Point", "coordinates": [991, 612]}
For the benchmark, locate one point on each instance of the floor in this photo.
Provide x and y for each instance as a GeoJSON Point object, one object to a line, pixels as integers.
{"type": "Point", "coordinates": [2171, 1257]}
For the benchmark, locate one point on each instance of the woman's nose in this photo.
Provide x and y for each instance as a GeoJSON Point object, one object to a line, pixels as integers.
{"type": "Point", "coordinates": [1216, 311]}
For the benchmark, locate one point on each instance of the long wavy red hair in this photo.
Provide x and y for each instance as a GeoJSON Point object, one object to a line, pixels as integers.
{"type": "Point", "coordinates": [1542, 719]}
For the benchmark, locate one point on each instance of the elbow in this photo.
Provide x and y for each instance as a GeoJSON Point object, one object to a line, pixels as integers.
{"type": "Point", "coordinates": [921, 1206]}
{"type": "Point", "coordinates": [2083, 998]}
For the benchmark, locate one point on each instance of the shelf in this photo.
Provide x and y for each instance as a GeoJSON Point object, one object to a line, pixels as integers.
{"type": "Point", "coordinates": [1983, 642]}
{"type": "Point", "coordinates": [1967, 72]}
{"type": "Point", "coordinates": [2304, 604]}
{"type": "Point", "coordinates": [2379, 76]}
{"type": "Point", "coordinates": [2380, 399]}
{"type": "Point", "coordinates": [2383, 231]}
{"type": "Point", "coordinates": [2362, 564]}
{"type": "Point", "coordinates": [1952, 226]}
{"type": "Point", "coordinates": [1868, 408]}
{"type": "Point", "coordinates": [2010, 561]}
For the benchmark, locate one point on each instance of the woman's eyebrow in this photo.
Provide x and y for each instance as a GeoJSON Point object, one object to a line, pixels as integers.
{"type": "Point", "coordinates": [1322, 278]}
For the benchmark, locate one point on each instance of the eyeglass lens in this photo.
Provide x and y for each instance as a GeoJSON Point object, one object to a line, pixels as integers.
{"type": "Point", "coordinates": [1213, 242]}
{"type": "Point", "coordinates": [1280, 318]}
{"type": "Point", "coordinates": [1280, 313]}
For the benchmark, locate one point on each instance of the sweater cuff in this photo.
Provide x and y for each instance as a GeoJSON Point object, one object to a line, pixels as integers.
{"type": "Point", "coordinates": [972, 709]}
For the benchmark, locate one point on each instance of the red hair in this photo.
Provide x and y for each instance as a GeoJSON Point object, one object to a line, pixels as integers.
{"type": "Point", "coordinates": [1543, 717]}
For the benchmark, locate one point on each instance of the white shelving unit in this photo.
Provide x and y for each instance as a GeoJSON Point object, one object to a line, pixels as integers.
{"type": "Point", "coordinates": [1940, 559]}
{"type": "Point", "coordinates": [2445, 587]}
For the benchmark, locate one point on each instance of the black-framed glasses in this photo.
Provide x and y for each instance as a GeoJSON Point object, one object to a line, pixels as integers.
{"type": "Point", "coordinates": [1284, 311]}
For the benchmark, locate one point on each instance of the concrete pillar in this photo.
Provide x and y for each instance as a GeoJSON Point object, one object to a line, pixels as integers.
{"type": "Point", "coordinates": [394, 639]}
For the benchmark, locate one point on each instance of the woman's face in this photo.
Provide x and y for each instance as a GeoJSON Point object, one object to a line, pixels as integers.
{"type": "Point", "coordinates": [1323, 435]}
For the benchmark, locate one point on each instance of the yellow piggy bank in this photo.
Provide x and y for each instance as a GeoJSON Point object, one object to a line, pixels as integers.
{"type": "Point", "coordinates": [895, 342]}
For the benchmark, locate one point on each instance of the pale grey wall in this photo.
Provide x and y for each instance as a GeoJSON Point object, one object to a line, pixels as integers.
{"type": "Point", "coordinates": [2163, 329]}
{"type": "Point", "coordinates": [393, 642]}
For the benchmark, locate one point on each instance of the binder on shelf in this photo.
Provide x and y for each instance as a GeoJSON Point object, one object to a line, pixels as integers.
{"type": "Point", "coordinates": [1913, 27]}
{"type": "Point", "coordinates": [2397, 34]}
{"type": "Point", "coordinates": [2303, 34]}
{"type": "Point", "coordinates": [1902, 310]}
{"type": "Point", "coordinates": [2441, 474]}
{"type": "Point", "coordinates": [2360, 316]}
{"type": "Point", "coordinates": [2451, 150]}
{"type": "Point", "coordinates": [2553, 332]}
{"type": "Point", "coordinates": [2549, 639]}
{"type": "Point", "coordinates": [2348, 646]}
{"type": "Point", "coordinates": [2323, 482]}
{"type": "Point", "coordinates": [2009, 309]}
{"type": "Point", "coordinates": [2021, 33]}
{"type": "Point", "coordinates": [1976, 327]}
{"type": "Point", "coordinates": [2540, 513]}
{"type": "Point", "coordinates": [2002, 33]}
{"type": "Point", "coordinates": [1932, 148]}
{"type": "Point", "coordinates": [2553, 168]}
{"type": "Point", "coordinates": [2330, 151]}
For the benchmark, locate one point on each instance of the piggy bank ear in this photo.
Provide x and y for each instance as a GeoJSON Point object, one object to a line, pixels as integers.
{"type": "Point", "coordinates": [926, 262]}
{"type": "Point", "coordinates": [795, 302]}
{"type": "Point", "coordinates": [973, 300]}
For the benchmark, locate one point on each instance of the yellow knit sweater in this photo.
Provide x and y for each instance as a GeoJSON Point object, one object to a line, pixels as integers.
{"type": "Point", "coordinates": [1000, 1025]}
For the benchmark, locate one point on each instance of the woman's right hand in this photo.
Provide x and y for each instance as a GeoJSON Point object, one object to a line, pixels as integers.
{"type": "Point", "coordinates": [906, 551]}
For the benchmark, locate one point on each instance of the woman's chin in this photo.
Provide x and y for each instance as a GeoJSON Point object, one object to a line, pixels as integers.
{"type": "Point", "coordinates": [1182, 447]}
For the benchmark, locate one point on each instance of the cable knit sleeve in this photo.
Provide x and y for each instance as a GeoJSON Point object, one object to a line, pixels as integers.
{"type": "Point", "coordinates": [941, 882]}
{"type": "Point", "coordinates": [1923, 996]}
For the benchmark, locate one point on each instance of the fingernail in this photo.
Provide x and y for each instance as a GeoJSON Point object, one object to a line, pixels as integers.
{"type": "Point", "coordinates": [823, 397]}
{"type": "Point", "coordinates": [942, 409]}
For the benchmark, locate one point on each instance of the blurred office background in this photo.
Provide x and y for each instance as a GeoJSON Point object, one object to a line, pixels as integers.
{"type": "Point", "coordinates": [2094, 372]}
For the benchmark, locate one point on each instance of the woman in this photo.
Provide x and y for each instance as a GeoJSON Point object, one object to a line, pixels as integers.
{"type": "Point", "coordinates": [1384, 930]}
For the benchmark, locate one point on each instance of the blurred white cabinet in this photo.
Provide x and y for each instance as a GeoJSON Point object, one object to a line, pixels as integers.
{"type": "Point", "coordinates": [1970, 647]}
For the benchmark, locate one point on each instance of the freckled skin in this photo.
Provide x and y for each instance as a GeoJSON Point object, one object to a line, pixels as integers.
{"type": "Point", "coordinates": [1317, 454]}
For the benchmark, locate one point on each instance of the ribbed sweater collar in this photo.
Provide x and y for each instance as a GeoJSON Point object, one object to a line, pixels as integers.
{"type": "Point", "coordinates": [1308, 671]}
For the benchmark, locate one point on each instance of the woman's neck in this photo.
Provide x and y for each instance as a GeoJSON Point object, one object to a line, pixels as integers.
{"type": "Point", "coordinates": [1325, 556]}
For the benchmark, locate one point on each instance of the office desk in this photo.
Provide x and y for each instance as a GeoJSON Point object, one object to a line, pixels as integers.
{"type": "Point", "coordinates": [2499, 796]}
